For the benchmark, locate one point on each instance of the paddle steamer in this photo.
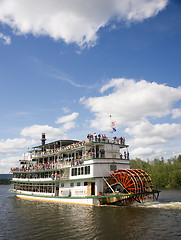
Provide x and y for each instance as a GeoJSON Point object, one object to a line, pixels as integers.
{"type": "Point", "coordinates": [91, 172]}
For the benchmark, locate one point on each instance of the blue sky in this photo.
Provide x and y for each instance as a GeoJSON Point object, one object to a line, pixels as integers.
{"type": "Point", "coordinates": [65, 66]}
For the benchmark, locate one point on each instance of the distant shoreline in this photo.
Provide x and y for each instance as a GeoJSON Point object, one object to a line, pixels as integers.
{"type": "Point", "coordinates": [5, 181]}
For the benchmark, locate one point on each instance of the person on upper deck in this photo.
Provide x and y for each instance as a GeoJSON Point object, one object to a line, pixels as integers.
{"type": "Point", "coordinates": [95, 137]}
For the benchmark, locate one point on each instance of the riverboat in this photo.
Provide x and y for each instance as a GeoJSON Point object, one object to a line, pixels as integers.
{"type": "Point", "coordinates": [91, 172]}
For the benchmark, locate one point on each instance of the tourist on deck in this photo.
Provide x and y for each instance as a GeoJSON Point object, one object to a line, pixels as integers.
{"type": "Point", "coordinates": [104, 138]}
{"type": "Point", "coordinates": [121, 140]}
{"type": "Point", "coordinates": [91, 138]}
{"type": "Point", "coordinates": [95, 137]}
{"type": "Point", "coordinates": [99, 136]}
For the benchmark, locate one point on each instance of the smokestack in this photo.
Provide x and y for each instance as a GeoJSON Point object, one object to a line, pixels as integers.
{"type": "Point", "coordinates": [43, 139]}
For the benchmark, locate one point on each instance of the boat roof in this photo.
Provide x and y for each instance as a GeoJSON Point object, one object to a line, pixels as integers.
{"type": "Point", "coordinates": [57, 143]}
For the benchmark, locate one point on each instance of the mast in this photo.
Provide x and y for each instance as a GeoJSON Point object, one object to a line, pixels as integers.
{"type": "Point", "coordinates": [111, 127]}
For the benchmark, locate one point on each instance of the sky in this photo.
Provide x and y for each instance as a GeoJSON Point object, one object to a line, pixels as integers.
{"type": "Point", "coordinates": [66, 66]}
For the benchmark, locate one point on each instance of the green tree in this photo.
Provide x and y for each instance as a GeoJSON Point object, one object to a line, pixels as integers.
{"type": "Point", "coordinates": [164, 174]}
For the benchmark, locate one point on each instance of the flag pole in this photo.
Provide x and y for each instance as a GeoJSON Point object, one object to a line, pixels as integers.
{"type": "Point", "coordinates": [111, 134]}
{"type": "Point", "coordinates": [111, 127]}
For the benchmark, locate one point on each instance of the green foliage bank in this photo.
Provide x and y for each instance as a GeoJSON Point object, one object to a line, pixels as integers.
{"type": "Point", "coordinates": [164, 174]}
{"type": "Point", "coordinates": [5, 181]}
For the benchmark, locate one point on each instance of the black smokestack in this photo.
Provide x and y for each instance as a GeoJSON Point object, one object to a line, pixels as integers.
{"type": "Point", "coordinates": [43, 139]}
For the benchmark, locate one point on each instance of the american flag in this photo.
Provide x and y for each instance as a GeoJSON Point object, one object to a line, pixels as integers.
{"type": "Point", "coordinates": [113, 123]}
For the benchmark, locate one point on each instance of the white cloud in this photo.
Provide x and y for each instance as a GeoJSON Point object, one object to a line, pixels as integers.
{"type": "Point", "coordinates": [6, 39]}
{"type": "Point", "coordinates": [35, 131]}
{"type": "Point", "coordinates": [69, 125]}
{"type": "Point", "coordinates": [145, 133]}
{"type": "Point", "coordinates": [67, 118]}
{"type": "Point", "coordinates": [176, 113]}
{"type": "Point", "coordinates": [133, 105]}
{"type": "Point", "coordinates": [11, 146]}
{"type": "Point", "coordinates": [66, 109]}
{"type": "Point", "coordinates": [61, 76]}
{"type": "Point", "coordinates": [167, 131]}
{"type": "Point", "coordinates": [68, 121]}
{"type": "Point", "coordinates": [147, 152]}
{"type": "Point", "coordinates": [130, 102]}
{"type": "Point", "coordinates": [32, 135]}
{"type": "Point", "coordinates": [73, 21]}
{"type": "Point", "coordinates": [142, 151]}
{"type": "Point", "coordinates": [154, 140]}
{"type": "Point", "coordinates": [7, 163]}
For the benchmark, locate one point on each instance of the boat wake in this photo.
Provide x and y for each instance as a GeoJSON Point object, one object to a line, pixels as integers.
{"type": "Point", "coordinates": [169, 205]}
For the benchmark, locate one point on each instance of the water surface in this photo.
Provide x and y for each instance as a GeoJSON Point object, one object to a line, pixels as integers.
{"type": "Point", "coordinates": [23, 219]}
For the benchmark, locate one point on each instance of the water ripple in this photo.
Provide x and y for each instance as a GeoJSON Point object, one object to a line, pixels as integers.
{"type": "Point", "coordinates": [22, 219]}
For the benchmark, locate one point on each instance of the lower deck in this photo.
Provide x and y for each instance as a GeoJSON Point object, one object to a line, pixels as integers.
{"type": "Point", "coordinates": [74, 188]}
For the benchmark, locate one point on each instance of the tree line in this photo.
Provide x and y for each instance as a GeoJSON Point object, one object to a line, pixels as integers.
{"type": "Point", "coordinates": [5, 181]}
{"type": "Point", "coordinates": [164, 174]}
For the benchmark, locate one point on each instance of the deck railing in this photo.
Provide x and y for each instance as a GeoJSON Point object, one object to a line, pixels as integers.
{"type": "Point", "coordinates": [119, 141]}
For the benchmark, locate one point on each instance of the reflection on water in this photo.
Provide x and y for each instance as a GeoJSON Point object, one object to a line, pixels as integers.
{"type": "Point", "coordinates": [22, 219]}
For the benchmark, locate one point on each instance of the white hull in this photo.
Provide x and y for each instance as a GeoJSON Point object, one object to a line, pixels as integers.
{"type": "Point", "coordinates": [67, 200]}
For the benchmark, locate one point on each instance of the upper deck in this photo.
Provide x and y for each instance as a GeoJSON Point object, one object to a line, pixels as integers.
{"type": "Point", "coordinates": [69, 153]}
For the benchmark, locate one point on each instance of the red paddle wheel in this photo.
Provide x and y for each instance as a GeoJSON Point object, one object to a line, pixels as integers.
{"type": "Point", "coordinates": [133, 181]}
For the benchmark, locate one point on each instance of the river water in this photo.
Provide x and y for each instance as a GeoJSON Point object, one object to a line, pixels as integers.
{"type": "Point", "coordinates": [23, 219]}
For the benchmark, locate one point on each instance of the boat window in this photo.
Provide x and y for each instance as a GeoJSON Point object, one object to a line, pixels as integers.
{"type": "Point", "coordinates": [62, 184]}
{"type": "Point", "coordinates": [85, 183]}
{"type": "Point", "coordinates": [78, 183]}
{"type": "Point", "coordinates": [113, 167]}
{"type": "Point", "coordinates": [71, 184]}
{"type": "Point", "coordinates": [80, 171]}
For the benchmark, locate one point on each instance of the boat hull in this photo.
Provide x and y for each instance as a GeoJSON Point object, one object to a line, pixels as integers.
{"type": "Point", "coordinates": [111, 199]}
{"type": "Point", "coordinates": [70, 200]}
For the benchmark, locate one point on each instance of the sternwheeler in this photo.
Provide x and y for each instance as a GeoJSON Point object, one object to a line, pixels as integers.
{"type": "Point", "coordinates": [95, 171]}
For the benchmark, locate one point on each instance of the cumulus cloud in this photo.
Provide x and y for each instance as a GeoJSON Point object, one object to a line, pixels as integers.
{"type": "Point", "coordinates": [149, 152]}
{"type": "Point", "coordinates": [31, 137]}
{"type": "Point", "coordinates": [73, 21]}
{"type": "Point", "coordinates": [146, 133]}
{"type": "Point", "coordinates": [5, 39]}
{"type": "Point", "coordinates": [67, 118]}
{"type": "Point", "coordinates": [7, 163]}
{"type": "Point", "coordinates": [176, 113]}
{"type": "Point", "coordinates": [134, 105]}
{"type": "Point", "coordinates": [35, 131]}
{"type": "Point", "coordinates": [165, 130]}
{"type": "Point", "coordinates": [130, 101]}
{"type": "Point", "coordinates": [12, 146]}
{"type": "Point", "coordinates": [67, 122]}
